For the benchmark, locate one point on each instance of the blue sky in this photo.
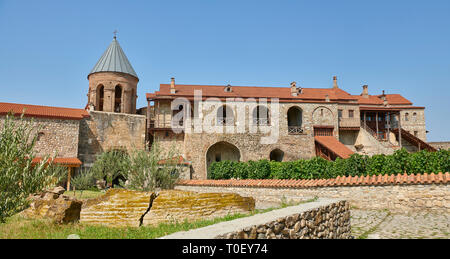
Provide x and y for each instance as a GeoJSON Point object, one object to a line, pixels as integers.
{"type": "Point", "coordinates": [49, 47]}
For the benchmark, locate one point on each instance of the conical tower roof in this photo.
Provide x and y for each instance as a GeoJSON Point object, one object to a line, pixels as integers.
{"type": "Point", "coordinates": [114, 60]}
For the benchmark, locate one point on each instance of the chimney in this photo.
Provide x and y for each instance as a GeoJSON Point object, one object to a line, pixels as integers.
{"type": "Point", "coordinates": [365, 92]}
{"type": "Point", "coordinates": [327, 98]}
{"type": "Point", "coordinates": [335, 85]}
{"type": "Point", "coordinates": [383, 97]}
{"type": "Point", "coordinates": [172, 86]}
{"type": "Point", "coordinates": [294, 90]}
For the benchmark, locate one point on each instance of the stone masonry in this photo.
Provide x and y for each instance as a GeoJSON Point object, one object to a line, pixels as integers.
{"type": "Point", "coordinates": [397, 193]}
{"type": "Point", "coordinates": [322, 219]}
{"type": "Point", "coordinates": [55, 136]}
{"type": "Point", "coordinates": [105, 131]}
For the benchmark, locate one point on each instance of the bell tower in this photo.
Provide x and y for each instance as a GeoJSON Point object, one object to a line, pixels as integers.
{"type": "Point", "coordinates": [113, 82]}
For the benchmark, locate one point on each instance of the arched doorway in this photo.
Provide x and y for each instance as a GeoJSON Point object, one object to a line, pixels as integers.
{"type": "Point", "coordinates": [276, 155]}
{"type": "Point", "coordinates": [222, 151]}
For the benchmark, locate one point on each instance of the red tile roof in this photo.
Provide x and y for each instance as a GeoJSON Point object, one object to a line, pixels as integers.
{"type": "Point", "coordinates": [332, 144]}
{"type": "Point", "coordinates": [283, 93]}
{"type": "Point", "coordinates": [393, 99]}
{"type": "Point", "coordinates": [66, 161]}
{"type": "Point", "coordinates": [43, 111]}
{"type": "Point", "coordinates": [374, 180]}
{"type": "Point", "coordinates": [253, 92]}
{"type": "Point", "coordinates": [396, 99]}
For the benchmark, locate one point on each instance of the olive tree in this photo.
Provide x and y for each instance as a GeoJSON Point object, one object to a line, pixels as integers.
{"type": "Point", "coordinates": [111, 165]}
{"type": "Point", "coordinates": [153, 169]}
{"type": "Point", "coordinates": [19, 177]}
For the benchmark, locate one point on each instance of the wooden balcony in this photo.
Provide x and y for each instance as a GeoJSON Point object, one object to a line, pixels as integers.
{"type": "Point", "coordinates": [349, 123]}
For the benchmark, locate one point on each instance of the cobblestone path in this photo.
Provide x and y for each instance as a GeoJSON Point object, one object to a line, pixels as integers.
{"type": "Point", "coordinates": [386, 225]}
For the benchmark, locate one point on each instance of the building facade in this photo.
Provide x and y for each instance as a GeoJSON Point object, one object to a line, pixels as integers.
{"type": "Point", "coordinates": [208, 123]}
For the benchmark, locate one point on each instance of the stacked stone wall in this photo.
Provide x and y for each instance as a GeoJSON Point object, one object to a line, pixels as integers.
{"type": "Point", "coordinates": [105, 131]}
{"type": "Point", "coordinates": [55, 136]}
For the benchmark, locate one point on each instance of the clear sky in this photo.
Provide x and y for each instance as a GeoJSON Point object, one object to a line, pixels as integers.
{"type": "Point", "coordinates": [48, 47]}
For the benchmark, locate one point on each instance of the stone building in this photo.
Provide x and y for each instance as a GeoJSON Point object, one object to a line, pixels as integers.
{"type": "Point", "coordinates": [207, 123]}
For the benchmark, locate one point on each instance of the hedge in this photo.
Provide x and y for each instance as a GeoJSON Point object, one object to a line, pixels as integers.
{"type": "Point", "coordinates": [318, 168]}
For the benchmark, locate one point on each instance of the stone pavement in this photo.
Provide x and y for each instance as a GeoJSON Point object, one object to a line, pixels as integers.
{"type": "Point", "coordinates": [382, 224]}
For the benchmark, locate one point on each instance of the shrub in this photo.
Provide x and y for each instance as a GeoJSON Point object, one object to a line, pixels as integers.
{"type": "Point", "coordinates": [111, 165]}
{"type": "Point", "coordinates": [318, 168]}
{"type": "Point", "coordinates": [82, 181]}
{"type": "Point", "coordinates": [152, 170]}
{"type": "Point", "coordinates": [18, 176]}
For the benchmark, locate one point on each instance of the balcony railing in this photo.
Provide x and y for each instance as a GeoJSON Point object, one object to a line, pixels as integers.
{"type": "Point", "coordinates": [295, 130]}
{"type": "Point", "coordinates": [261, 121]}
{"type": "Point", "coordinates": [225, 121]}
{"type": "Point", "coordinates": [349, 122]}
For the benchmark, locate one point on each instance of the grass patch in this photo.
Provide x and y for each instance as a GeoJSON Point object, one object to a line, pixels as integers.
{"type": "Point", "coordinates": [17, 227]}
{"type": "Point", "coordinates": [84, 195]}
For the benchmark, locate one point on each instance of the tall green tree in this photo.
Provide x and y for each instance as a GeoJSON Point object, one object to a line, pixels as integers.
{"type": "Point", "coordinates": [18, 176]}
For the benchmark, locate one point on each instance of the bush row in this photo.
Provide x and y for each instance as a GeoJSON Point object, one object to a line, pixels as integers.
{"type": "Point", "coordinates": [318, 168]}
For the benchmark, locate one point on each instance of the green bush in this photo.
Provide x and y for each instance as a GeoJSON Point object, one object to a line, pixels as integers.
{"type": "Point", "coordinates": [19, 177]}
{"type": "Point", "coordinates": [318, 168]}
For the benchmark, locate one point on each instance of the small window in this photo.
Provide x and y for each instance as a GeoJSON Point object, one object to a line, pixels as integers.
{"type": "Point", "coordinates": [406, 116]}
{"type": "Point", "coordinates": [340, 113]}
{"type": "Point", "coordinates": [351, 113]}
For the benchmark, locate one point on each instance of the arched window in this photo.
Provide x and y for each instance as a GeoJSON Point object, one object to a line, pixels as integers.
{"type": "Point", "coordinates": [117, 98]}
{"type": "Point", "coordinates": [415, 116]}
{"type": "Point", "coordinates": [276, 155]}
{"type": "Point", "coordinates": [295, 117]}
{"type": "Point", "coordinates": [225, 115]}
{"type": "Point", "coordinates": [100, 97]}
{"type": "Point", "coordinates": [179, 109]}
{"type": "Point", "coordinates": [261, 115]}
{"type": "Point", "coordinates": [406, 116]}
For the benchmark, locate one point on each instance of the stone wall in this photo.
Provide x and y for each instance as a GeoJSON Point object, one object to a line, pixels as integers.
{"type": "Point", "coordinates": [415, 122]}
{"type": "Point", "coordinates": [120, 207]}
{"type": "Point", "coordinates": [294, 147]}
{"type": "Point", "coordinates": [322, 219]}
{"type": "Point", "coordinates": [55, 136]}
{"type": "Point", "coordinates": [104, 131]}
{"type": "Point", "coordinates": [440, 145]}
{"type": "Point", "coordinates": [364, 193]}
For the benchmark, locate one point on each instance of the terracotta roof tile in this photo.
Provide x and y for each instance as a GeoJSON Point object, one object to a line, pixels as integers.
{"type": "Point", "coordinates": [67, 161]}
{"type": "Point", "coordinates": [253, 92]}
{"type": "Point", "coordinates": [43, 111]}
{"type": "Point", "coordinates": [400, 179]}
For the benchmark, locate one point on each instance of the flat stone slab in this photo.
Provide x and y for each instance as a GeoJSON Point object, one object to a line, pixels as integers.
{"type": "Point", "coordinates": [212, 231]}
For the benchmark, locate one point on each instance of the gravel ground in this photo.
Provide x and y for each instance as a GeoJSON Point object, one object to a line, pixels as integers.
{"type": "Point", "coordinates": [386, 225]}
